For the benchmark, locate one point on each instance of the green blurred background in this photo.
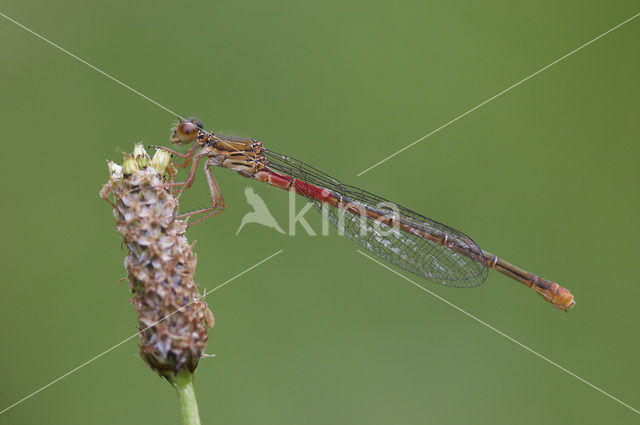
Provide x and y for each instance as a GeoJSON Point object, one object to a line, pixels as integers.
{"type": "Point", "coordinates": [545, 176]}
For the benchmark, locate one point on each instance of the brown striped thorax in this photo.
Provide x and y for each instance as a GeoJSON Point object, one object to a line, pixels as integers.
{"type": "Point", "coordinates": [241, 154]}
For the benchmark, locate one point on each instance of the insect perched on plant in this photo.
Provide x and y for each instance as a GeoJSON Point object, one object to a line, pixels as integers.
{"type": "Point", "coordinates": [405, 238]}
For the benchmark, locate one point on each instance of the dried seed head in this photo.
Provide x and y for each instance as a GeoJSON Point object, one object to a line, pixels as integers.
{"type": "Point", "coordinates": [160, 263]}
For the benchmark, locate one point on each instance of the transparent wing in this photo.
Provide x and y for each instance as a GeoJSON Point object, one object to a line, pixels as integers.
{"type": "Point", "coordinates": [405, 238]}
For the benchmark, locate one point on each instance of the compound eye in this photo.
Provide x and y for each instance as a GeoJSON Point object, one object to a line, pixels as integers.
{"type": "Point", "coordinates": [195, 121]}
{"type": "Point", "coordinates": [185, 133]}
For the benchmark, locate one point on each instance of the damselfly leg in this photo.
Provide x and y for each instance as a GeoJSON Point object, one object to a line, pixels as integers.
{"type": "Point", "coordinates": [217, 201]}
{"type": "Point", "coordinates": [188, 155]}
{"type": "Point", "coordinates": [190, 178]}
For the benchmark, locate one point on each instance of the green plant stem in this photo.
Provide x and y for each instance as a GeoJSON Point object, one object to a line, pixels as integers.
{"type": "Point", "coordinates": [183, 384]}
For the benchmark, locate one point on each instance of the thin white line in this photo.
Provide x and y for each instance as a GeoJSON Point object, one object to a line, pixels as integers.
{"type": "Point", "coordinates": [497, 95]}
{"type": "Point", "coordinates": [114, 79]}
{"type": "Point", "coordinates": [160, 106]}
{"type": "Point", "coordinates": [89, 65]}
{"type": "Point", "coordinates": [136, 334]}
{"type": "Point", "coordinates": [206, 293]}
{"type": "Point", "coordinates": [241, 273]}
{"type": "Point", "coordinates": [500, 332]}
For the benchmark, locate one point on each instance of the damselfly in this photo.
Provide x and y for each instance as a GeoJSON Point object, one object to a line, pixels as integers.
{"type": "Point", "coordinates": [407, 239]}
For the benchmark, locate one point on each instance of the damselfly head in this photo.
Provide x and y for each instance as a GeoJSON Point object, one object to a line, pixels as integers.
{"type": "Point", "coordinates": [187, 131]}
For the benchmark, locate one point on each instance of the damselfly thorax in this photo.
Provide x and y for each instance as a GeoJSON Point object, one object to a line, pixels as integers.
{"type": "Point", "coordinates": [240, 154]}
